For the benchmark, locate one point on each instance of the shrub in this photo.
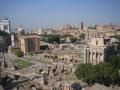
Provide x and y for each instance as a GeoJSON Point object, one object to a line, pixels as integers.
{"type": "Point", "coordinates": [18, 53]}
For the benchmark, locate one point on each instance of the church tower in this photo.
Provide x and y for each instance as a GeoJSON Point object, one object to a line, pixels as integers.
{"type": "Point", "coordinates": [82, 26]}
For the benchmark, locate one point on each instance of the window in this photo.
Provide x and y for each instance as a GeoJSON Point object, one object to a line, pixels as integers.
{"type": "Point", "coordinates": [5, 27]}
{"type": "Point", "coordinates": [96, 42]}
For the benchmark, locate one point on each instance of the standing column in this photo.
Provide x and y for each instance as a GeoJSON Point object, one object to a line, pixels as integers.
{"type": "Point", "coordinates": [95, 57]}
{"type": "Point", "coordinates": [102, 56]}
{"type": "Point", "coordinates": [87, 56]}
{"type": "Point", "coordinates": [99, 57]}
{"type": "Point", "coordinates": [84, 55]}
{"type": "Point", "coordinates": [88, 53]}
{"type": "Point", "coordinates": [36, 45]}
{"type": "Point", "coordinates": [91, 58]}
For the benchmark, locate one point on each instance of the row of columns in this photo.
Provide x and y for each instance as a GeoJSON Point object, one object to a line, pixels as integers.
{"type": "Point", "coordinates": [91, 56]}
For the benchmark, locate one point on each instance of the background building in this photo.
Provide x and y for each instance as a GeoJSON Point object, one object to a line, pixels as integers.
{"type": "Point", "coordinates": [27, 43]}
{"type": "Point", "coordinates": [5, 25]}
{"type": "Point", "coordinates": [97, 50]}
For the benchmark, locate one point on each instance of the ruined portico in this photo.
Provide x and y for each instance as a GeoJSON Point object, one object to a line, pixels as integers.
{"type": "Point", "coordinates": [96, 51]}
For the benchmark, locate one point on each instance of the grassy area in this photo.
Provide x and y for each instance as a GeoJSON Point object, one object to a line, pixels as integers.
{"type": "Point", "coordinates": [22, 63]}
{"type": "Point", "coordinates": [46, 61]}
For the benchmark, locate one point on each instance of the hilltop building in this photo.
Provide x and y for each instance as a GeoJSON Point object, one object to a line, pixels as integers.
{"type": "Point", "coordinates": [42, 31]}
{"type": "Point", "coordinates": [105, 27]}
{"type": "Point", "coordinates": [5, 25]}
{"type": "Point", "coordinates": [74, 31]}
{"type": "Point", "coordinates": [69, 30]}
{"type": "Point", "coordinates": [20, 30]}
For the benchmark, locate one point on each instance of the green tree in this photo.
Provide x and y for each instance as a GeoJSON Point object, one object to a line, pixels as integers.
{"type": "Point", "coordinates": [50, 38]}
{"type": "Point", "coordinates": [73, 39]}
{"type": "Point", "coordinates": [53, 38]}
{"type": "Point", "coordinates": [43, 38]}
{"type": "Point", "coordinates": [105, 70]}
{"type": "Point", "coordinates": [114, 76]}
{"type": "Point", "coordinates": [86, 72]}
{"type": "Point", "coordinates": [103, 73]}
{"type": "Point", "coordinates": [82, 71]}
{"type": "Point", "coordinates": [116, 36]}
{"type": "Point", "coordinates": [114, 61]}
{"type": "Point", "coordinates": [18, 53]}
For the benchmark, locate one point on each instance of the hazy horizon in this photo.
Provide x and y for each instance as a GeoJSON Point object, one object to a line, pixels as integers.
{"type": "Point", "coordinates": [50, 13]}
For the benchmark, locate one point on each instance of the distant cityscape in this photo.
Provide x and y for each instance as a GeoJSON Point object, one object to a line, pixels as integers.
{"type": "Point", "coordinates": [70, 58]}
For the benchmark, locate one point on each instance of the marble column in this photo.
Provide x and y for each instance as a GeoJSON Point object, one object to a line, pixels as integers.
{"type": "Point", "coordinates": [99, 57]}
{"type": "Point", "coordinates": [91, 56]}
{"type": "Point", "coordinates": [95, 57]}
{"type": "Point", "coordinates": [84, 55]}
{"type": "Point", "coordinates": [88, 53]}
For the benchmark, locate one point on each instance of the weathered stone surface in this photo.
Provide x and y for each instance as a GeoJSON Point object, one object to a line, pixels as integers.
{"type": "Point", "coordinates": [1, 88]}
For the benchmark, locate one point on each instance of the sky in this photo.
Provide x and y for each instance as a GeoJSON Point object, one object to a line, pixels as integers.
{"type": "Point", "coordinates": [50, 13]}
